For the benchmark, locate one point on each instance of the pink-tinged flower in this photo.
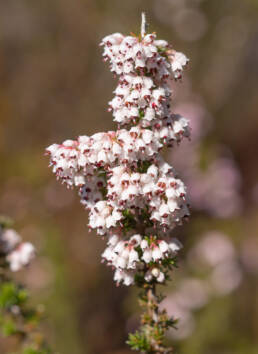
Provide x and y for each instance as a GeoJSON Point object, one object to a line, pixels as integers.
{"type": "Point", "coordinates": [9, 239]}
{"type": "Point", "coordinates": [16, 253]}
{"type": "Point", "coordinates": [21, 256]}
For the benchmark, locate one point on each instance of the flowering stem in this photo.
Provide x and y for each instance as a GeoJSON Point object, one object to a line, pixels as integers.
{"type": "Point", "coordinates": [133, 196]}
{"type": "Point", "coordinates": [154, 321]}
{"type": "Point", "coordinates": [143, 25]}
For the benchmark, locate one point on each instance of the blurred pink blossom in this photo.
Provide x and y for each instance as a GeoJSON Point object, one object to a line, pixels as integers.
{"type": "Point", "coordinates": [215, 187]}
{"type": "Point", "coordinates": [192, 293]}
{"type": "Point", "coordinates": [212, 249]}
{"type": "Point", "coordinates": [226, 277]}
{"type": "Point", "coordinates": [201, 120]}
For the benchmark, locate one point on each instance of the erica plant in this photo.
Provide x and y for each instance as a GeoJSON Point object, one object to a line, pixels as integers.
{"type": "Point", "coordinates": [134, 198]}
{"type": "Point", "coordinates": [18, 319]}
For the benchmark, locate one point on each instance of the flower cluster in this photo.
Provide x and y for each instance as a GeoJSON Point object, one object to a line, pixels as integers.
{"type": "Point", "coordinates": [157, 192]}
{"type": "Point", "coordinates": [133, 196]}
{"type": "Point", "coordinates": [13, 251]}
{"type": "Point", "coordinates": [128, 256]}
{"type": "Point", "coordinates": [74, 161]}
{"type": "Point", "coordinates": [145, 66]}
{"type": "Point", "coordinates": [147, 56]}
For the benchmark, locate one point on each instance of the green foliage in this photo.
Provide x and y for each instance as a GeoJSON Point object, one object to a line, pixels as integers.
{"type": "Point", "coordinates": [8, 327]}
{"type": "Point", "coordinates": [18, 319]}
{"type": "Point", "coordinates": [36, 351]}
{"type": "Point", "coordinates": [141, 113]}
{"type": "Point", "coordinates": [169, 262]}
{"type": "Point", "coordinates": [11, 295]}
{"type": "Point", "coordinates": [5, 221]}
{"type": "Point", "coordinates": [129, 221]}
{"type": "Point", "coordinates": [139, 341]}
{"type": "Point", "coordinates": [142, 166]}
{"type": "Point", "coordinates": [103, 174]}
{"type": "Point", "coordinates": [144, 218]}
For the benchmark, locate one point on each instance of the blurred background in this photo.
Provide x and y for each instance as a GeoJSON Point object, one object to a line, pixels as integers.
{"type": "Point", "coordinates": [54, 86]}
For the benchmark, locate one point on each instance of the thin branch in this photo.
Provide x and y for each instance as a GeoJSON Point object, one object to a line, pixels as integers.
{"type": "Point", "coordinates": [143, 25]}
